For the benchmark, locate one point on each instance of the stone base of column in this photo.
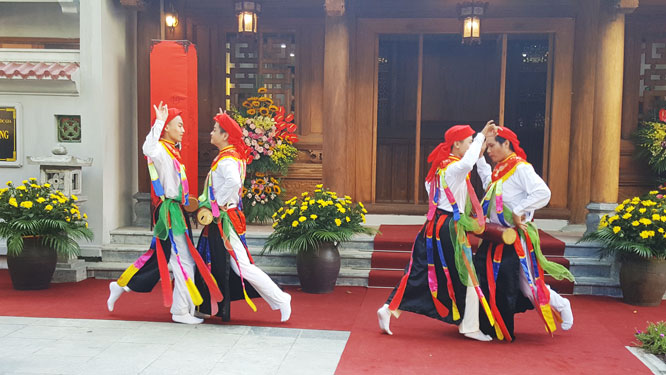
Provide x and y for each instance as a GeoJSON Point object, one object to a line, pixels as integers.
{"type": "Point", "coordinates": [69, 270]}
{"type": "Point", "coordinates": [596, 212]}
{"type": "Point", "coordinates": [141, 210]}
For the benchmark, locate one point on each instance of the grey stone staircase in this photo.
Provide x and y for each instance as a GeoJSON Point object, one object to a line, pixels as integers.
{"type": "Point", "coordinates": [594, 276]}
{"type": "Point", "coordinates": [127, 244]}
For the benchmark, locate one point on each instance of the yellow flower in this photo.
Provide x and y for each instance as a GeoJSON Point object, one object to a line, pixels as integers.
{"type": "Point", "coordinates": [654, 192]}
{"type": "Point", "coordinates": [34, 186]}
{"type": "Point", "coordinates": [360, 204]}
{"type": "Point", "coordinates": [342, 210]}
{"type": "Point", "coordinates": [294, 224]}
{"type": "Point", "coordinates": [619, 208]}
{"type": "Point", "coordinates": [363, 217]}
{"type": "Point", "coordinates": [625, 201]}
{"type": "Point", "coordinates": [274, 215]}
{"type": "Point", "coordinates": [12, 202]}
{"type": "Point", "coordinates": [252, 112]}
{"type": "Point", "coordinates": [247, 104]}
{"type": "Point", "coordinates": [48, 207]}
{"type": "Point", "coordinates": [626, 216]}
{"type": "Point", "coordinates": [282, 216]}
{"type": "Point", "coordinates": [630, 208]}
{"type": "Point", "coordinates": [313, 216]}
{"type": "Point", "coordinates": [612, 219]}
{"type": "Point", "coordinates": [317, 190]}
{"type": "Point", "coordinates": [644, 234]}
{"type": "Point", "coordinates": [642, 210]}
{"type": "Point", "coordinates": [47, 185]}
{"type": "Point", "coordinates": [616, 229]}
{"type": "Point", "coordinates": [21, 188]}
{"type": "Point", "coordinates": [661, 230]}
{"type": "Point", "coordinates": [9, 183]}
{"type": "Point", "coordinates": [85, 216]}
{"type": "Point", "coordinates": [319, 186]}
{"type": "Point", "coordinates": [656, 217]}
{"type": "Point", "coordinates": [273, 108]}
{"type": "Point", "coordinates": [302, 219]}
{"type": "Point", "coordinates": [304, 194]}
{"type": "Point", "coordinates": [281, 209]}
{"type": "Point", "coordinates": [635, 223]}
{"type": "Point", "coordinates": [32, 179]}
{"type": "Point", "coordinates": [68, 219]}
{"type": "Point", "coordinates": [75, 197]}
{"type": "Point", "coordinates": [338, 222]}
{"type": "Point", "coordinates": [275, 224]}
{"type": "Point", "coordinates": [264, 111]}
{"type": "Point", "coordinates": [262, 90]}
{"type": "Point", "coordinates": [25, 181]}
{"type": "Point", "coordinates": [366, 211]}
{"type": "Point", "coordinates": [41, 200]}
{"type": "Point", "coordinates": [347, 218]}
{"type": "Point", "coordinates": [256, 103]}
{"type": "Point", "coordinates": [86, 225]}
{"type": "Point", "coordinates": [73, 210]}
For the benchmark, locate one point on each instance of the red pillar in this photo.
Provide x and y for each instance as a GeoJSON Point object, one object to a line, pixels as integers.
{"type": "Point", "coordinates": [173, 80]}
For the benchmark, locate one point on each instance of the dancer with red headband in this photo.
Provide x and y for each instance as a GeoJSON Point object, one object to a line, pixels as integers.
{"type": "Point", "coordinates": [513, 275]}
{"type": "Point", "coordinates": [440, 281]}
{"type": "Point", "coordinates": [222, 243]}
{"type": "Point", "coordinates": [172, 240]}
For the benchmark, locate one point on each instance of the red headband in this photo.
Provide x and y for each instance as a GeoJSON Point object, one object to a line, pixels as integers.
{"type": "Point", "coordinates": [510, 136]}
{"type": "Point", "coordinates": [235, 132]}
{"type": "Point", "coordinates": [173, 112]}
{"type": "Point", "coordinates": [443, 150]}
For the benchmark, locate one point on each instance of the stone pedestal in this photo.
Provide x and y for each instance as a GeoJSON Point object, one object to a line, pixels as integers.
{"type": "Point", "coordinates": [596, 211]}
{"type": "Point", "coordinates": [141, 210]}
{"type": "Point", "coordinates": [69, 270]}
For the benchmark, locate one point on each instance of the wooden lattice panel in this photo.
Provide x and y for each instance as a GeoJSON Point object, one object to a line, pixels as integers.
{"type": "Point", "coordinates": [653, 71]}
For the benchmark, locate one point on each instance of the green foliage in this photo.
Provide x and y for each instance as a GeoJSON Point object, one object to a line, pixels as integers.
{"type": "Point", "coordinates": [638, 227]}
{"type": "Point", "coordinates": [304, 223]}
{"type": "Point", "coordinates": [39, 210]}
{"type": "Point", "coordinates": [653, 339]}
{"type": "Point", "coordinates": [650, 140]}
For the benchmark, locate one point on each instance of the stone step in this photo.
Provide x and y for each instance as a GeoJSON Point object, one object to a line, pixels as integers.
{"type": "Point", "coordinates": [591, 267]}
{"type": "Point", "coordinates": [281, 275]}
{"type": "Point", "coordinates": [598, 286]}
{"type": "Point", "coordinates": [583, 249]}
{"type": "Point", "coordinates": [349, 258]}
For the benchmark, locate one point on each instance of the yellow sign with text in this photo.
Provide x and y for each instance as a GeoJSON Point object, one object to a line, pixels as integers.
{"type": "Point", "coordinates": [8, 134]}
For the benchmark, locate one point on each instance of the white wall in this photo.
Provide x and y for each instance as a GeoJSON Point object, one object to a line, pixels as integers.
{"type": "Point", "coordinates": [107, 105]}
{"type": "Point", "coordinates": [38, 20]}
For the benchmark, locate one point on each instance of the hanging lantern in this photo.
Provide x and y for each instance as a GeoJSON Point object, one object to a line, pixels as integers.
{"type": "Point", "coordinates": [471, 13]}
{"type": "Point", "coordinates": [171, 18]}
{"type": "Point", "coordinates": [247, 12]}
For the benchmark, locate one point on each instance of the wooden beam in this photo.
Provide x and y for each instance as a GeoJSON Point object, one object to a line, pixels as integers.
{"type": "Point", "coordinates": [335, 8]}
{"type": "Point", "coordinates": [502, 94]}
{"type": "Point", "coordinates": [419, 97]}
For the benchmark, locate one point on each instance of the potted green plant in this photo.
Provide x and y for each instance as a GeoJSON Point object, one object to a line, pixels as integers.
{"type": "Point", "coordinates": [38, 223]}
{"type": "Point", "coordinates": [636, 234]}
{"type": "Point", "coordinates": [653, 339]}
{"type": "Point", "coordinates": [312, 227]}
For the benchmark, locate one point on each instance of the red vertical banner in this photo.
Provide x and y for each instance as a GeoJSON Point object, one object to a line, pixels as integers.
{"type": "Point", "coordinates": [173, 80]}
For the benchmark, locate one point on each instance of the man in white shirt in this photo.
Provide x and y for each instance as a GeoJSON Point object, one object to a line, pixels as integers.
{"type": "Point", "coordinates": [521, 191]}
{"type": "Point", "coordinates": [223, 241]}
{"type": "Point", "coordinates": [433, 285]}
{"type": "Point", "coordinates": [172, 241]}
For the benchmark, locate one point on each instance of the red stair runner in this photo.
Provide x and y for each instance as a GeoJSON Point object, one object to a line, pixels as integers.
{"type": "Point", "coordinates": [393, 246]}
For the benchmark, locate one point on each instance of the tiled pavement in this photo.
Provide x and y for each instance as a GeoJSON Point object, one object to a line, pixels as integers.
{"type": "Point", "coordinates": [84, 346]}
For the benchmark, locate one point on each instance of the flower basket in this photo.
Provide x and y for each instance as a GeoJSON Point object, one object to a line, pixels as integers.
{"type": "Point", "coordinates": [270, 133]}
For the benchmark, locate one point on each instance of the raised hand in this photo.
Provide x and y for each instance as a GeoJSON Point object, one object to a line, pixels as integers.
{"type": "Point", "coordinates": [161, 111]}
{"type": "Point", "coordinates": [490, 130]}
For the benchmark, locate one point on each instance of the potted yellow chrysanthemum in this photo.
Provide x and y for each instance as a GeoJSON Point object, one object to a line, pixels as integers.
{"type": "Point", "coordinates": [39, 223]}
{"type": "Point", "coordinates": [312, 227]}
{"type": "Point", "coordinates": [636, 233]}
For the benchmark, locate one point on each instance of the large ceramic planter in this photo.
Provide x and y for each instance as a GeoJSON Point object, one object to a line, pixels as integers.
{"type": "Point", "coordinates": [318, 269]}
{"type": "Point", "coordinates": [34, 267]}
{"type": "Point", "coordinates": [643, 281]}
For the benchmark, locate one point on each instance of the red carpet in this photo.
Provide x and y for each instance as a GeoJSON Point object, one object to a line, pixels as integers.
{"type": "Point", "coordinates": [394, 244]}
{"type": "Point", "coordinates": [603, 326]}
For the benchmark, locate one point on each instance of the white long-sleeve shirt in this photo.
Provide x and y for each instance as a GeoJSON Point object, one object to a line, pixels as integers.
{"type": "Point", "coordinates": [227, 182]}
{"type": "Point", "coordinates": [523, 192]}
{"type": "Point", "coordinates": [162, 160]}
{"type": "Point", "coordinates": [456, 174]}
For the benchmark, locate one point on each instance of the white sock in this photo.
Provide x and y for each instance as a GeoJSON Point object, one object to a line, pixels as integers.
{"type": "Point", "coordinates": [478, 335]}
{"type": "Point", "coordinates": [186, 319]}
{"type": "Point", "coordinates": [567, 316]}
{"type": "Point", "coordinates": [285, 310]}
{"type": "Point", "coordinates": [384, 318]}
{"type": "Point", "coordinates": [115, 291]}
